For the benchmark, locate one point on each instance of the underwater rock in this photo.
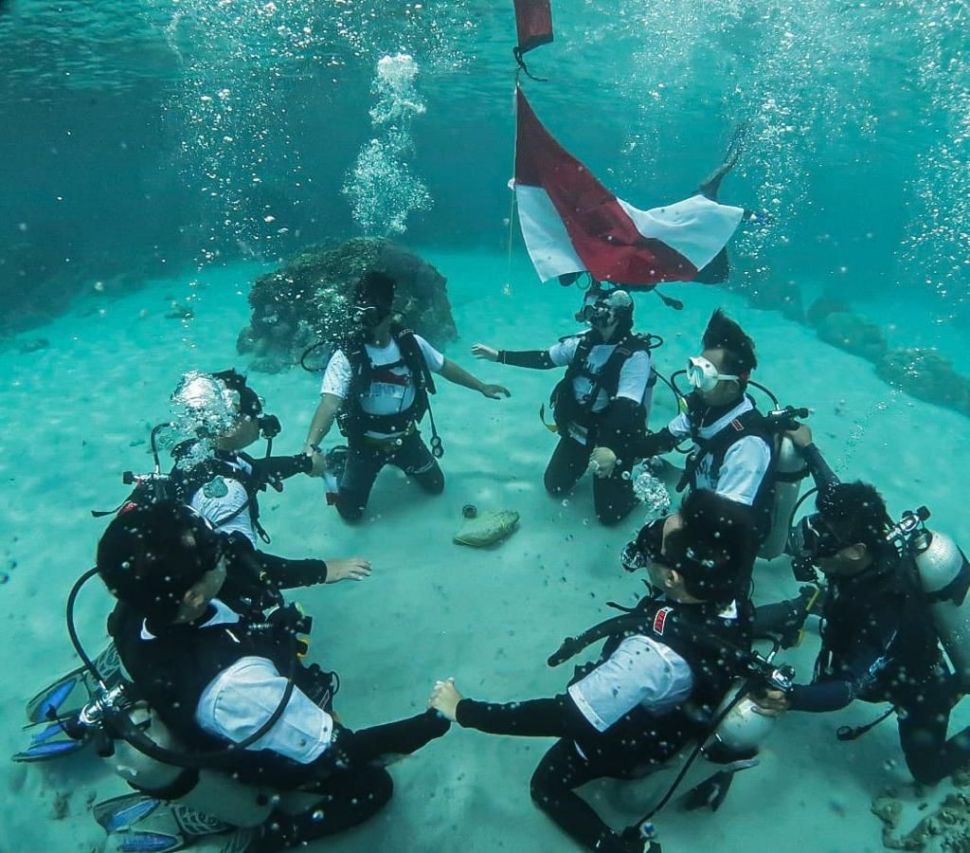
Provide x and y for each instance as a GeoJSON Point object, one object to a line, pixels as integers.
{"type": "Point", "coordinates": [822, 307]}
{"type": "Point", "coordinates": [948, 828]}
{"type": "Point", "coordinates": [310, 299]}
{"type": "Point", "coordinates": [486, 528]}
{"type": "Point", "coordinates": [926, 375]}
{"type": "Point", "coordinates": [854, 334]}
{"type": "Point", "coordinates": [782, 296]}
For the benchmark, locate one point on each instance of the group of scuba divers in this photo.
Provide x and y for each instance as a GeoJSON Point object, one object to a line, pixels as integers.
{"type": "Point", "coordinates": [219, 725]}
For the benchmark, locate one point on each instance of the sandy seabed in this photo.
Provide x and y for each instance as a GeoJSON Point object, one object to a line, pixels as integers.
{"type": "Point", "coordinates": [78, 413]}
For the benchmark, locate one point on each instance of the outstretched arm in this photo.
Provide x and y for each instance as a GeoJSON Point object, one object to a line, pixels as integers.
{"type": "Point", "coordinates": [323, 419]}
{"type": "Point", "coordinates": [538, 359]}
{"type": "Point", "coordinates": [454, 373]}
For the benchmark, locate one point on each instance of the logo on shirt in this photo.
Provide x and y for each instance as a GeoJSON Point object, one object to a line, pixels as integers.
{"type": "Point", "coordinates": [660, 619]}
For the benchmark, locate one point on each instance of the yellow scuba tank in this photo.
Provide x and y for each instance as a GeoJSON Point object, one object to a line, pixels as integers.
{"type": "Point", "coordinates": [944, 574]}
{"type": "Point", "coordinates": [789, 471]}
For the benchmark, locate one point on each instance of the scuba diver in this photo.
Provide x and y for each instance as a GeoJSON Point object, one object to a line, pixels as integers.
{"type": "Point", "coordinates": [601, 403]}
{"type": "Point", "coordinates": [215, 477]}
{"type": "Point", "coordinates": [231, 688]}
{"type": "Point", "coordinates": [218, 480]}
{"type": "Point", "coordinates": [892, 595]}
{"type": "Point", "coordinates": [733, 443]}
{"type": "Point", "coordinates": [377, 386]}
{"type": "Point", "coordinates": [665, 668]}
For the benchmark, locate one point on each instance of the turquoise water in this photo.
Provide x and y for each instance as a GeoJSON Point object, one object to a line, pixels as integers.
{"type": "Point", "coordinates": [156, 152]}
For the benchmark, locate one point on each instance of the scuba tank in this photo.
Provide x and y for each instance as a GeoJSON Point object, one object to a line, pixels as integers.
{"type": "Point", "coordinates": [742, 730]}
{"type": "Point", "coordinates": [789, 471]}
{"type": "Point", "coordinates": [215, 794]}
{"type": "Point", "coordinates": [944, 574]}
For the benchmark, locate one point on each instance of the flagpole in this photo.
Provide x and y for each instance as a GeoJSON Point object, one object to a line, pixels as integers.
{"type": "Point", "coordinates": [507, 289]}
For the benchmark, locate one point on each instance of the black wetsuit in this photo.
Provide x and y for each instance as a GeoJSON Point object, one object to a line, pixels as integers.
{"type": "Point", "coordinates": [254, 577]}
{"type": "Point", "coordinates": [172, 665]}
{"type": "Point", "coordinates": [879, 644]}
{"type": "Point", "coordinates": [639, 740]}
{"type": "Point", "coordinates": [618, 426]}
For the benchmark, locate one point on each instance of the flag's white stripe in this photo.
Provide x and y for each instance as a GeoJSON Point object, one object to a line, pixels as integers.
{"type": "Point", "coordinates": [697, 227]}
{"type": "Point", "coordinates": [546, 238]}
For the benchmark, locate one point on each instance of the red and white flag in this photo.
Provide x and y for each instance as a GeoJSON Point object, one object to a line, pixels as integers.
{"type": "Point", "coordinates": [572, 223]}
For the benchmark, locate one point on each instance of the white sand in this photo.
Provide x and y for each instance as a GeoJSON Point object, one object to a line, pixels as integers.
{"type": "Point", "coordinates": [78, 413]}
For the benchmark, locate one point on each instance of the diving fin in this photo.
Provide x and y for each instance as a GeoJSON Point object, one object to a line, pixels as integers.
{"type": "Point", "coordinates": [73, 691]}
{"type": "Point", "coordinates": [137, 822]}
{"type": "Point", "coordinates": [52, 741]}
{"type": "Point", "coordinates": [710, 793]}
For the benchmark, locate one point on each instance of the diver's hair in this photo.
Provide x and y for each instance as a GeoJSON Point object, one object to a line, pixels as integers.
{"type": "Point", "coordinates": [375, 288]}
{"type": "Point", "coordinates": [151, 554]}
{"type": "Point", "coordinates": [716, 546]}
{"type": "Point", "coordinates": [857, 513]}
{"type": "Point", "coordinates": [723, 333]}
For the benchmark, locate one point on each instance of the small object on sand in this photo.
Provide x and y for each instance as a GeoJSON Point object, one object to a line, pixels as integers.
{"type": "Point", "coordinates": [469, 511]}
{"type": "Point", "coordinates": [180, 312]}
{"type": "Point", "coordinates": [486, 528]}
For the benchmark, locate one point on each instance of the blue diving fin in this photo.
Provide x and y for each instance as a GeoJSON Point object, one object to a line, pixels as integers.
{"type": "Point", "coordinates": [73, 691]}
{"type": "Point", "coordinates": [50, 742]}
{"type": "Point", "coordinates": [137, 823]}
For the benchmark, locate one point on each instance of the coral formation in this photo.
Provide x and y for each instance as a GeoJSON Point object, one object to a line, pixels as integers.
{"type": "Point", "coordinates": [310, 300]}
{"type": "Point", "coordinates": [926, 375]}
{"type": "Point", "coordinates": [852, 333]}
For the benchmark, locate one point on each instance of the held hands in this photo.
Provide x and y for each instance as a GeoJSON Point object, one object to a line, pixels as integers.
{"type": "Point", "coordinates": [353, 569]}
{"type": "Point", "coordinates": [318, 465]}
{"type": "Point", "coordinates": [485, 351]}
{"type": "Point", "coordinates": [445, 698]}
{"type": "Point", "coordinates": [602, 461]}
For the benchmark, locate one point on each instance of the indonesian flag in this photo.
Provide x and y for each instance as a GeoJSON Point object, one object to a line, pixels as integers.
{"type": "Point", "coordinates": [572, 223]}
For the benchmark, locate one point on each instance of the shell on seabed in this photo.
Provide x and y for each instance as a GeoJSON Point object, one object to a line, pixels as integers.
{"type": "Point", "coordinates": [486, 528]}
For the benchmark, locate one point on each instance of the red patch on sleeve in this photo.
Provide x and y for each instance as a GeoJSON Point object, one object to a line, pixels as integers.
{"type": "Point", "coordinates": [660, 619]}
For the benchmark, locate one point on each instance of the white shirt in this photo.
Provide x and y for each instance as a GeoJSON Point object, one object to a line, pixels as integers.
{"type": "Point", "coordinates": [214, 506]}
{"type": "Point", "coordinates": [243, 696]}
{"type": "Point", "coordinates": [744, 465]}
{"type": "Point", "coordinates": [391, 389]}
{"type": "Point", "coordinates": [640, 671]}
{"type": "Point", "coordinates": [633, 383]}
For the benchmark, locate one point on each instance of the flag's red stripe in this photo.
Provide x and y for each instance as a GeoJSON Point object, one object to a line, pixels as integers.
{"type": "Point", "coordinates": [603, 235]}
{"type": "Point", "coordinates": [533, 23]}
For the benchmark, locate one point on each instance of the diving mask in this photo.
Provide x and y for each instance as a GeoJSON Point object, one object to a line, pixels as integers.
{"type": "Point", "coordinates": [812, 539]}
{"type": "Point", "coordinates": [703, 375]}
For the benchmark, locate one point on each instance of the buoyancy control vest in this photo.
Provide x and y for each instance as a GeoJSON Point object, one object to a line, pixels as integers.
{"type": "Point", "coordinates": [353, 420]}
{"type": "Point", "coordinates": [749, 423]}
{"type": "Point", "coordinates": [715, 648]}
{"type": "Point", "coordinates": [171, 670]}
{"type": "Point", "coordinates": [885, 609]}
{"type": "Point", "coordinates": [566, 408]}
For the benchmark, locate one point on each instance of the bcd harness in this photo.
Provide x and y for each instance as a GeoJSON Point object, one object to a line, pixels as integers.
{"type": "Point", "coordinates": [565, 407]}
{"type": "Point", "coordinates": [353, 421]}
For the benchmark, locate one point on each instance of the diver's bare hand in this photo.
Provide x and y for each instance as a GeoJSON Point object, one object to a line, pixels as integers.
{"type": "Point", "coordinates": [318, 464]}
{"type": "Point", "coordinates": [801, 436]}
{"type": "Point", "coordinates": [445, 698]}
{"type": "Point", "coordinates": [602, 461]}
{"type": "Point", "coordinates": [770, 703]}
{"type": "Point", "coordinates": [495, 392]}
{"type": "Point", "coordinates": [353, 569]}
{"type": "Point", "coordinates": [485, 351]}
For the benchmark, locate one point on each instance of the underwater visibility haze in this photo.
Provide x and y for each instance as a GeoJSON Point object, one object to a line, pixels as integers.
{"type": "Point", "coordinates": [179, 175]}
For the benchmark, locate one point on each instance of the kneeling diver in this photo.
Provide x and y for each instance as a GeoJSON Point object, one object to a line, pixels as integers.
{"type": "Point", "coordinates": [663, 672]}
